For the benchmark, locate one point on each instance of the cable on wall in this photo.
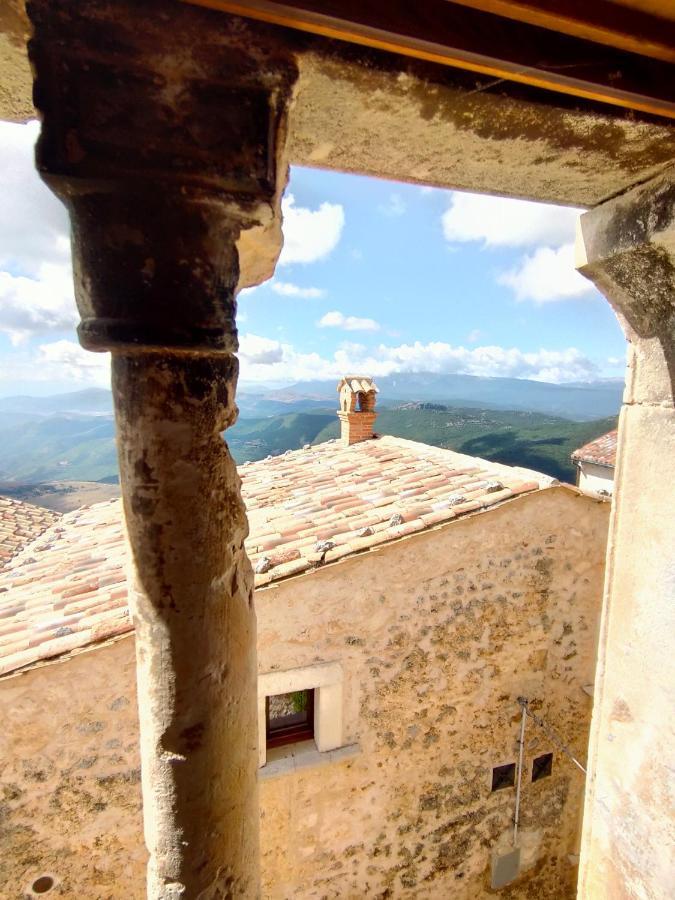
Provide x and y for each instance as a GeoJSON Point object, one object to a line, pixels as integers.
{"type": "Point", "coordinates": [548, 729]}
{"type": "Point", "coordinates": [521, 749]}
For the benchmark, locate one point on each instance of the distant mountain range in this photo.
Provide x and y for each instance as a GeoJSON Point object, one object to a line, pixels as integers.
{"type": "Point", "coordinates": [71, 437]}
{"type": "Point", "coordinates": [92, 401]}
{"type": "Point", "coordinates": [578, 402]}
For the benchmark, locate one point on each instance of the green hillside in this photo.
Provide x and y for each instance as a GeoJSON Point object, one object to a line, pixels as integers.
{"type": "Point", "coordinates": [82, 447]}
{"type": "Point", "coordinates": [58, 448]}
{"type": "Point", "coordinates": [532, 440]}
{"type": "Point", "coordinates": [252, 439]}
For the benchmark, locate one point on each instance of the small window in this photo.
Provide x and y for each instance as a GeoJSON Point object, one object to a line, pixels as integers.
{"type": "Point", "coordinates": [503, 776]}
{"type": "Point", "coordinates": [319, 714]}
{"type": "Point", "coordinates": [289, 718]}
{"type": "Point", "coordinates": [542, 766]}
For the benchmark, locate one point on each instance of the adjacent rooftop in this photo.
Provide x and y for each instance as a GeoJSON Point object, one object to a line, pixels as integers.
{"type": "Point", "coordinates": [309, 507]}
{"type": "Point", "coordinates": [21, 523]}
{"type": "Point", "coordinates": [601, 451]}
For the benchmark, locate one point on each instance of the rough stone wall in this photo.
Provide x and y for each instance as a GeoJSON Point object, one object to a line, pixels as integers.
{"type": "Point", "coordinates": [16, 102]}
{"type": "Point", "coordinates": [437, 635]}
{"type": "Point", "coordinates": [70, 789]}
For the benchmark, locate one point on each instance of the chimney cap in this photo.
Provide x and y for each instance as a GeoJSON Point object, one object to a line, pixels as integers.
{"type": "Point", "coordinates": [358, 384]}
{"type": "Point", "coordinates": [358, 396]}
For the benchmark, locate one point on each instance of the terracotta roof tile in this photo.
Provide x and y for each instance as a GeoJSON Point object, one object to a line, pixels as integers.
{"type": "Point", "coordinates": [20, 524]}
{"type": "Point", "coordinates": [68, 588]}
{"type": "Point", "coordinates": [601, 451]}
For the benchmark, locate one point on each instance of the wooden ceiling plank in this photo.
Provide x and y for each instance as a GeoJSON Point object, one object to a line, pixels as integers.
{"type": "Point", "coordinates": [600, 21]}
{"type": "Point", "coordinates": [601, 85]}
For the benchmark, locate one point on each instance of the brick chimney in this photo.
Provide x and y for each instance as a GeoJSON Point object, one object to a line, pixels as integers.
{"type": "Point", "coordinates": [357, 408]}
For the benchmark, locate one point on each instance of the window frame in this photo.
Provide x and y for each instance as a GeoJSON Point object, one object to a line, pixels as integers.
{"type": "Point", "coordinates": [293, 733]}
{"type": "Point", "coordinates": [326, 680]}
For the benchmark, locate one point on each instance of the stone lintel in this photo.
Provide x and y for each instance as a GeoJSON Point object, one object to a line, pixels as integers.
{"type": "Point", "coordinates": [378, 114]}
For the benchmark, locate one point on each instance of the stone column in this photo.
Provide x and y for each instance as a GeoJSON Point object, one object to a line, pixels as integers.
{"type": "Point", "coordinates": [627, 248]}
{"type": "Point", "coordinates": [163, 132]}
{"type": "Point", "coordinates": [195, 623]}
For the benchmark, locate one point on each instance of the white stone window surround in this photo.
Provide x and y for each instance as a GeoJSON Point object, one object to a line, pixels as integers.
{"type": "Point", "coordinates": [325, 679]}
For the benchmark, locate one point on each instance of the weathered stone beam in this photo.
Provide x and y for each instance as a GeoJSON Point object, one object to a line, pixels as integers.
{"type": "Point", "coordinates": [164, 134]}
{"type": "Point", "coordinates": [379, 115]}
{"type": "Point", "coordinates": [627, 248]}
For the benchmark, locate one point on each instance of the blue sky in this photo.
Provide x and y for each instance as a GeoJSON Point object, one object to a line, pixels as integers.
{"type": "Point", "coordinates": [374, 276]}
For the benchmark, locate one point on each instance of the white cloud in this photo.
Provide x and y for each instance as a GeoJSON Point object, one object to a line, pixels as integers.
{"type": "Point", "coordinates": [259, 351]}
{"type": "Point", "coordinates": [36, 285]}
{"type": "Point", "coordinates": [335, 319]}
{"type": "Point", "coordinates": [287, 289]}
{"type": "Point", "coordinates": [70, 360]}
{"type": "Point", "coordinates": [56, 363]}
{"type": "Point", "coordinates": [504, 222]}
{"type": "Point", "coordinates": [268, 360]}
{"type": "Point", "coordinates": [547, 275]}
{"type": "Point", "coordinates": [394, 207]}
{"type": "Point", "coordinates": [543, 276]}
{"type": "Point", "coordinates": [39, 304]}
{"type": "Point", "coordinates": [440, 357]}
{"type": "Point", "coordinates": [34, 225]}
{"type": "Point", "coordinates": [310, 235]}
{"type": "Point", "coordinates": [353, 348]}
{"type": "Point", "coordinates": [262, 359]}
{"type": "Point", "coordinates": [279, 361]}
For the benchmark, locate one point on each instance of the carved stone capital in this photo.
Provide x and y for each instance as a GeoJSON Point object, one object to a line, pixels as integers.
{"type": "Point", "coordinates": [164, 131]}
{"type": "Point", "coordinates": [626, 247]}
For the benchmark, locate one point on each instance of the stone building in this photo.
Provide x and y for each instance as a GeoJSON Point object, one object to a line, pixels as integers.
{"type": "Point", "coordinates": [407, 596]}
{"type": "Point", "coordinates": [595, 464]}
{"type": "Point", "coordinates": [167, 129]}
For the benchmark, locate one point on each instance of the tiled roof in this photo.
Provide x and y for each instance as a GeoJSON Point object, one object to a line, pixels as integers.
{"type": "Point", "coordinates": [601, 451]}
{"type": "Point", "coordinates": [328, 501]}
{"type": "Point", "coordinates": [21, 523]}
{"type": "Point", "coordinates": [66, 589]}
{"type": "Point", "coordinates": [307, 507]}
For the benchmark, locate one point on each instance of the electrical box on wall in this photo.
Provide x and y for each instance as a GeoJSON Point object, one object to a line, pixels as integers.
{"type": "Point", "coordinates": [505, 867]}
